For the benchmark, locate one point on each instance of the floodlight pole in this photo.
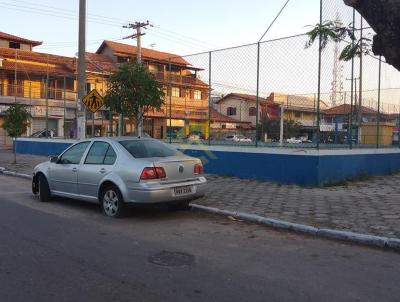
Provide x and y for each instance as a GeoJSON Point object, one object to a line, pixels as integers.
{"type": "Point", "coordinates": [258, 69]}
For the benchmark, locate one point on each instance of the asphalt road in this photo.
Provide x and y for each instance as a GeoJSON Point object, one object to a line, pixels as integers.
{"type": "Point", "coordinates": [67, 251]}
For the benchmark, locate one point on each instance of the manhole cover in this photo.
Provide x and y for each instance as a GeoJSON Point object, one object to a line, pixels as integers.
{"type": "Point", "coordinates": [166, 258]}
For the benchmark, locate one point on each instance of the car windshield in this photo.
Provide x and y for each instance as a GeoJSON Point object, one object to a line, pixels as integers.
{"type": "Point", "coordinates": [148, 148]}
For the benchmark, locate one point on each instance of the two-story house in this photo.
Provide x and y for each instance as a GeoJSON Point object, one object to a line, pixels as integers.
{"type": "Point", "coordinates": [186, 99]}
{"type": "Point", "coordinates": [337, 120]}
{"type": "Point", "coordinates": [301, 109]}
{"type": "Point", "coordinates": [243, 108]}
{"type": "Point", "coordinates": [46, 83]}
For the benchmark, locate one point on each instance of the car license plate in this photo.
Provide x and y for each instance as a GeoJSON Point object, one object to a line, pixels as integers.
{"type": "Point", "coordinates": [181, 191]}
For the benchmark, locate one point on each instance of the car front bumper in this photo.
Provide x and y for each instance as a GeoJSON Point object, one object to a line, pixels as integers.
{"type": "Point", "coordinates": [164, 192]}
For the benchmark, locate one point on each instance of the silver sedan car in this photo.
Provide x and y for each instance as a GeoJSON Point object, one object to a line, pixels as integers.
{"type": "Point", "coordinates": [116, 172]}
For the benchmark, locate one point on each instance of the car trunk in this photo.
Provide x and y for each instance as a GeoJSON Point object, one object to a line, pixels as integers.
{"type": "Point", "coordinates": [176, 167]}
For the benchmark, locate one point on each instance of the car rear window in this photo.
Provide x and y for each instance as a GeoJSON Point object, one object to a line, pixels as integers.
{"type": "Point", "coordinates": [148, 148]}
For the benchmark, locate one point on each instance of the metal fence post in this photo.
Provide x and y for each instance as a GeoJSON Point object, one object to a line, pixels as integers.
{"type": "Point", "coordinates": [352, 87]}
{"type": "Point", "coordinates": [258, 90]}
{"type": "Point", "coordinates": [319, 77]}
{"type": "Point", "coordinates": [281, 126]}
{"type": "Point", "coordinates": [65, 99]}
{"type": "Point", "coordinates": [169, 131]}
{"type": "Point", "coordinates": [398, 126]}
{"type": "Point", "coordinates": [110, 126]}
{"type": "Point", "coordinates": [379, 103]}
{"type": "Point", "coordinates": [209, 98]}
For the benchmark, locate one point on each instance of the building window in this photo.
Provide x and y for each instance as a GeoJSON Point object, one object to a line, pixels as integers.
{"type": "Point", "coordinates": [122, 59]}
{"type": "Point", "coordinates": [231, 111]}
{"type": "Point", "coordinates": [176, 92]}
{"type": "Point", "coordinates": [252, 111]}
{"type": "Point", "coordinates": [15, 45]}
{"type": "Point", "coordinates": [297, 114]}
{"type": "Point", "coordinates": [197, 94]}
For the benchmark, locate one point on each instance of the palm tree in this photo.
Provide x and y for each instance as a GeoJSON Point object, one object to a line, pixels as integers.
{"type": "Point", "coordinates": [330, 31]}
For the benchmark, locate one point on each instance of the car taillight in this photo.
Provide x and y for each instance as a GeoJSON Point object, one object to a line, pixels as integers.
{"type": "Point", "coordinates": [198, 169]}
{"type": "Point", "coordinates": [160, 172]}
{"type": "Point", "coordinates": [153, 173]}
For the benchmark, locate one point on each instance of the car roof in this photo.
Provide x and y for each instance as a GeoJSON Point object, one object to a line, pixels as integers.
{"type": "Point", "coordinates": [116, 139]}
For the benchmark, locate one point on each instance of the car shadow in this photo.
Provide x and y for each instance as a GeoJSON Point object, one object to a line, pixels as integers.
{"type": "Point", "coordinates": [140, 212]}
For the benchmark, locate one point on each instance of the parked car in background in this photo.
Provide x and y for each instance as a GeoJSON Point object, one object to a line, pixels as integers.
{"type": "Point", "coordinates": [145, 134]}
{"type": "Point", "coordinates": [196, 135]}
{"type": "Point", "coordinates": [116, 172]}
{"type": "Point", "coordinates": [41, 134]}
{"type": "Point", "coordinates": [294, 140]}
{"type": "Point", "coordinates": [193, 137]}
{"type": "Point", "coordinates": [238, 138]}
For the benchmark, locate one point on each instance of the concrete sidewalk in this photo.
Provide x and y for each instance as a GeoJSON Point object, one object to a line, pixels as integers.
{"type": "Point", "coordinates": [369, 207]}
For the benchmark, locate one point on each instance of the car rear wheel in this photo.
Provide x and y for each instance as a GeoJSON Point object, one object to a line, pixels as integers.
{"type": "Point", "coordinates": [111, 203]}
{"type": "Point", "coordinates": [44, 190]}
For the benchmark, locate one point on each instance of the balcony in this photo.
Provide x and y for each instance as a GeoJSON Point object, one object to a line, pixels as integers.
{"type": "Point", "coordinates": [33, 93]}
{"type": "Point", "coordinates": [178, 79]}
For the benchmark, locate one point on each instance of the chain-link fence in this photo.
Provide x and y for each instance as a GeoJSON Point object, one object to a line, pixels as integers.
{"type": "Point", "coordinates": [266, 94]}
{"type": "Point", "coordinates": [273, 93]}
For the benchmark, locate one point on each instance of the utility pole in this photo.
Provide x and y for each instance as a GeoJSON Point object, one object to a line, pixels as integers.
{"type": "Point", "coordinates": [15, 77]}
{"type": "Point", "coordinates": [81, 112]}
{"type": "Point", "coordinates": [138, 27]}
{"type": "Point", "coordinates": [47, 97]}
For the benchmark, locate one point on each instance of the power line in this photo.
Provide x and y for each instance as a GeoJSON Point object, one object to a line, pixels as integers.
{"type": "Point", "coordinates": [177, 41]}
{"type": "Point", "coordinates": [186, 37]}
{"type": "Point", "coordinates": [99, 19]}
{"type": "Point", "coordinates": [35, 4]}
{"type": "Point", "coordinates": [53, 13]}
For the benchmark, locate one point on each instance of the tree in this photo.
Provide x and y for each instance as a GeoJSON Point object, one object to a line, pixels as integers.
{"type": "Point", "coordinates": [16, 121]}
{"type": "Point", "coordinates": [272, 129]}
{"type": "Point", "coordinates": [330, 31]}
{"type": "Point", "coordinates": [133, 91]}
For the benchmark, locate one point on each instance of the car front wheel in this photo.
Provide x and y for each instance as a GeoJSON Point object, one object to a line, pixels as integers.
{"type": "Point", "coordinates": [44, 190]}
{"type": "Point", "coordinates": [111, 203]}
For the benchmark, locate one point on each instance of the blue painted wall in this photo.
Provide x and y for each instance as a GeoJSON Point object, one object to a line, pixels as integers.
{"type": "Point", "coordinates": [280, 168]}
{"type": "Point", "coordinates": [42, 147]}
{"type": "Point", "coordinates": [341, 167]}
{"type": "Point", "coordinates": [309, 170]}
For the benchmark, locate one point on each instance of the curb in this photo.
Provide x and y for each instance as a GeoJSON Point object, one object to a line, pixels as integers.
{"type": "Point", "coordinates": [16, 174]}
{"type": "Point", "coordinates": [364, 239]}
{"type": "Point", "coordinates": [369, 240]}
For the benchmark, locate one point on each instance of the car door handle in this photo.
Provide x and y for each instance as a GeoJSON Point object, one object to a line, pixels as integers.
{"type": "Point", "coordinates": [74, 169]}
{"type": "Point", "coordinates": [102, 170]}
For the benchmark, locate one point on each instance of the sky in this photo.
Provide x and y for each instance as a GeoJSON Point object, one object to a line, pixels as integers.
{"type": "Point", "coordinates": [191, 27]}
{"type": "Point", "coordinates": [181, 27]}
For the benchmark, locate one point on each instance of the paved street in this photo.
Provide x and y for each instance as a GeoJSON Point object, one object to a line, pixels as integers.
{"type": "Point", "coordinates": [370, 206]}
{"type": "Point", "coordinates": [66, 250]}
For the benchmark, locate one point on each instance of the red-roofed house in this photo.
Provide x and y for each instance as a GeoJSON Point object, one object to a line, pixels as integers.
{"type": "Point", "coordinates": [188, 95]}
{"type": "Point", "coordinates": [11, 41]}
{"type": "Point", "coordinates": [23, 76]}
{"type": "Point", "coordinates": [24, 73]}
{"type": "Point", "coordinates": [243, 107]}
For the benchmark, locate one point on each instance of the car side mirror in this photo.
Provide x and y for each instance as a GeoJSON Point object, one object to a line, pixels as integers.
{"type": "Point", "coordinates": [54, 159]}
